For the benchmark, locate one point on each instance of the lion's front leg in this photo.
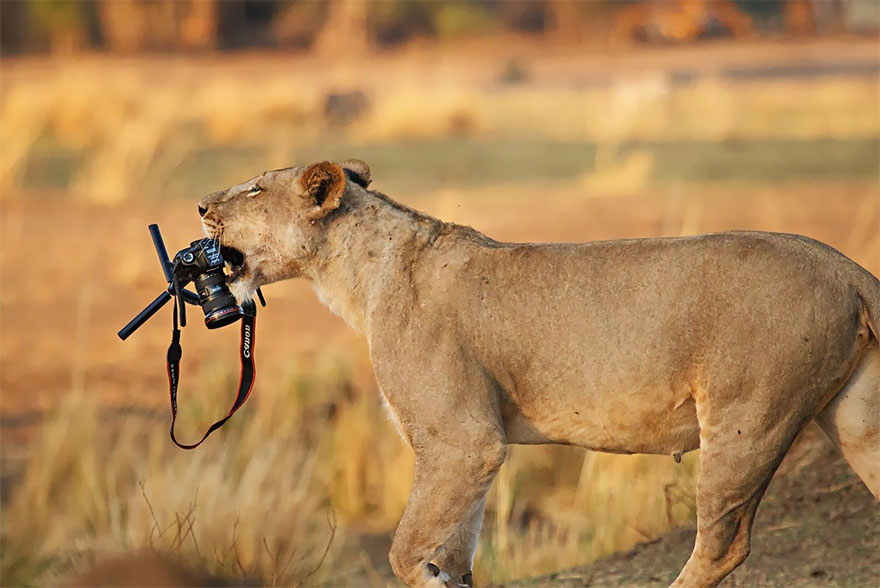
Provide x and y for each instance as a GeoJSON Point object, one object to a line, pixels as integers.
{"type": "Point", "coordinates": [446, 409]}
{"type": "Point", "coordinates": [456, 557]}
{"type": "Point", "coordinates": [435, 538]}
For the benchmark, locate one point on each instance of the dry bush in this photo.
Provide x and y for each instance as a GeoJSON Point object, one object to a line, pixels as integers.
{"type": "Point", "coordinates": [550, 509]}
{"type": "Point", "coordinates": [251, 503]}
{"type": "Point", "coordinates": [126, 138]}
{"type": "Point", "coordinates": [261, 501]}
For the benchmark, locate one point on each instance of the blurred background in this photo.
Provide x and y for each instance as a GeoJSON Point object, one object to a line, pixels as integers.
{"type": "Point", "coordinates": [539, 120]}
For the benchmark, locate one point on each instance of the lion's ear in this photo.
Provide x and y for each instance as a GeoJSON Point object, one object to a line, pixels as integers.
{"type": "Point", "coordinates": [357, 171]}
{"type": "Point", "coordinates": [323, 183]}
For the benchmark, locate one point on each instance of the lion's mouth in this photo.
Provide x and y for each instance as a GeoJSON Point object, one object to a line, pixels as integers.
{"type": "Point", "coordinates": [235, 262]}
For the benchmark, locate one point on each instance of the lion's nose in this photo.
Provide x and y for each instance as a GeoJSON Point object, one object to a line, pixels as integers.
{"type": "Point", "coordinates": [202, 210]}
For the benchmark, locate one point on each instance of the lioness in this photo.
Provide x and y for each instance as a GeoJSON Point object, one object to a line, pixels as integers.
{"type": "Point", "coordinates": [729, 342]}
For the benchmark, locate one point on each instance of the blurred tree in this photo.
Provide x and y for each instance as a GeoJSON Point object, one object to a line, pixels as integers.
{"type": "Point", "coordinates": [830, 16]}
{"type": "Point", "coordinates": [529, 16]}
{"type": "Point", "coordinates": [345, 29]}
{"type": "Point", "coordinates": [355, 26]}
{"type": "Point", "coordinates": [679, 20]}
{"type": "Point", "coordinates": [123, 25]}
{"type": "Point", "coordinates": [396, 21]}
{"type": "Point", "coordinates": [130, 26]}
{"type": "Point", "coordinates": [13, 27]}
{"type": "Point", "coordinates": [576, 22]}
{"type": "Point", "coordinates": [247, 23]}
{"type": "Point", "coordinates": [62, 21]}
{"type": "Point", "coordinates": [198, 25]}
{"type": "Point", "coordinates": [462, 19]}
{"type": "Point", "coordinates": [298, 23]}
{"type": "Point", "coordinates": [566, 20]}
{"type": "Point", "coordinates": [798, 18]}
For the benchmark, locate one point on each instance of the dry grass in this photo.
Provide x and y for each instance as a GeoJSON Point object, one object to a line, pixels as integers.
{"type": "Point", "coordinates": [252, 506]}
{"type": "Point", "coordinates": [126, 138]}
{"type": "Point", "coordinates": [552, 510]}
{"type": "Point", "coordinates": [262, 501]}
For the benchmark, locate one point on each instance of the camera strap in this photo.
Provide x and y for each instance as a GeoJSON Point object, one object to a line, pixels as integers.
{"type": "Point", "coordinates": [246, 378]}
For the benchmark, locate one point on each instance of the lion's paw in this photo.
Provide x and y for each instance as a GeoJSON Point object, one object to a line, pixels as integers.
{"type": "Point", "coordinates": [441, 579]}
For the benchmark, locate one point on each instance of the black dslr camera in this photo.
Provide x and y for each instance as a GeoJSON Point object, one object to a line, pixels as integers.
{"type": "Point", "coordinates": [202, 264]}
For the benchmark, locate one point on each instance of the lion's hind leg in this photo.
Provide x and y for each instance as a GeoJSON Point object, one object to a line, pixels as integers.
{"type": "Point", "coordinates": [739, 453]}
{"type": "Point", "coordinates": [852, 420]}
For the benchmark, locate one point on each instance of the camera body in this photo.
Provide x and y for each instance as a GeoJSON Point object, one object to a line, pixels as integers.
{"type": "Point", "coordinates": [202, 264]}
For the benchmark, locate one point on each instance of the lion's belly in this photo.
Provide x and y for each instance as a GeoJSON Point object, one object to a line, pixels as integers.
{"type": "Point", "coordinates": [626, 419]}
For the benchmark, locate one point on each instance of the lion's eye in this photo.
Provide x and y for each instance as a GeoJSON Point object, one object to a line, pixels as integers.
{"type": "Point", "coordinates": [255, 189]}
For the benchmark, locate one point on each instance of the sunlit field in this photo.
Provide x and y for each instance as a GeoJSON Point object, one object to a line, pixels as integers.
{"type": "Point", "coordinates": [306, 484]}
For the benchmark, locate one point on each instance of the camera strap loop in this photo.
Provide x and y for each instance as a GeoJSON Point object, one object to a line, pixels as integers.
{"type": "Point", "coordinates": [178, 296]}
{"type": "Point", "coordinates": [246, 377]}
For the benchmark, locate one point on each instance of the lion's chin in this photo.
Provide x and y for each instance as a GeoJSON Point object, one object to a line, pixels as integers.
{"type": "Point", "coordinates": [242, 288]}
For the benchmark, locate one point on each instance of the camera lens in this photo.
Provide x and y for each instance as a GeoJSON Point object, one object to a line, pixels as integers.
{"type": "Point", "coordinates": [216, 300]}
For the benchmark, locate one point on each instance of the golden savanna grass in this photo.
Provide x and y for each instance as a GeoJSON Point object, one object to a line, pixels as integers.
{"type": "Point", "coordinates": [310, 459]}
{"type": "Point", "coordinates": [128, 137]}
{"type": "Point", "coordinates": [313, 456]}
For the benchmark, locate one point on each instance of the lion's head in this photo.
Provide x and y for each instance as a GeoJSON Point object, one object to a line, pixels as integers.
{"type": "Point", "coordinates": [269, 226]}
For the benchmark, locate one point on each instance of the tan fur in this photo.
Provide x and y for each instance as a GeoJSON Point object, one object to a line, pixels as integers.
{"type": "Point", "coordinates": [728, 342]}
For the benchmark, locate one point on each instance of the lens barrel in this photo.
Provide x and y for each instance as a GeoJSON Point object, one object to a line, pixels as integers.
{"type": "Point", "coordinates": [216, 300]}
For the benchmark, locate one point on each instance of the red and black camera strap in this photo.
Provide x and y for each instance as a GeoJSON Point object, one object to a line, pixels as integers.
{"type": "Point", "coordinates": [246, 378]}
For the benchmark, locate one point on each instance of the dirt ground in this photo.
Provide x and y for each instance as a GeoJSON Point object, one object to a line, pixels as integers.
{"type": "Point", "coordinates": [817, 526]}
